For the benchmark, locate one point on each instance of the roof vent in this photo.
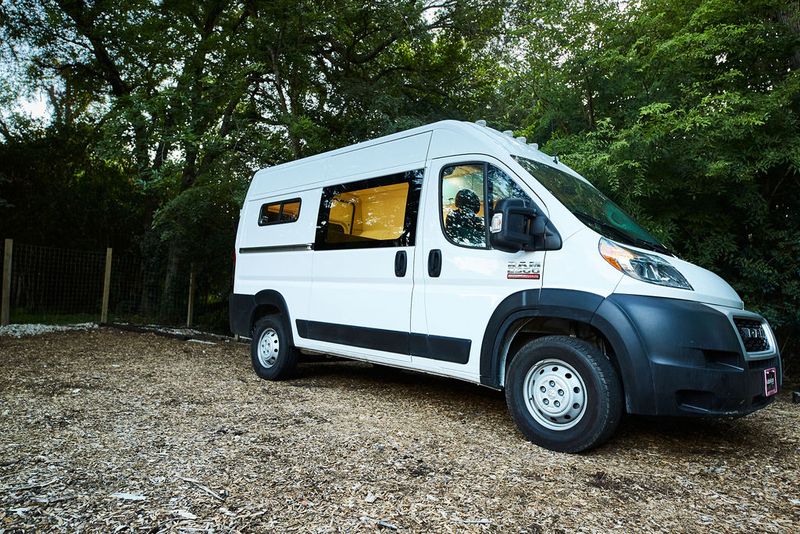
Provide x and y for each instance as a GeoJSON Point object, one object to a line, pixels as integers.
{"type": "Point", "coordinates": [508, 133]}
{"type": "Point", "coordinates": [481, 122]}
{"type": "Point", "coordinates": [522, 139]}
{"type": "Point", "coordinates": [534, 146]}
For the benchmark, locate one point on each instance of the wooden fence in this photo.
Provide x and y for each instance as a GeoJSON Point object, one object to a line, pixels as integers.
{"type": "Point", "coordinates": [48, 284]}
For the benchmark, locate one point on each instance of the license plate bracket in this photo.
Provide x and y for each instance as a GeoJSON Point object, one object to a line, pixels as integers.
{"type": "Point", "coordinates": [770, 381]}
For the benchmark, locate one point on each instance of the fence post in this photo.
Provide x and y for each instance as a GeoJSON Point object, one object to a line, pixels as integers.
{"type": "Point", "coordinates": [106, 288]}
{"type": "Point", "coordinates": [190, 306]}
{"type": "Point", "coordinates": [5, 308]}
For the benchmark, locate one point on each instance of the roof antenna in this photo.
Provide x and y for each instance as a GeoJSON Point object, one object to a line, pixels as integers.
{"type": "Point", "coordinates": [555, 159]}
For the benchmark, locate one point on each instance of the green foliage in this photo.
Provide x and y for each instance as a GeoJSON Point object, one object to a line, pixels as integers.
{"type": "Point", "coordinates": [61, 192]}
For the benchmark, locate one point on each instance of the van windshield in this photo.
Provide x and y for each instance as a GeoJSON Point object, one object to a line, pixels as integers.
{"type": "Point", "coordinates": [592, 207]}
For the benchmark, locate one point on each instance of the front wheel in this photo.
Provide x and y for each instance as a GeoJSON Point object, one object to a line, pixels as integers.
{"type": "Point", "coordinates": [563, 394]}
{"type": "Point", "coordinates": [272, 355]}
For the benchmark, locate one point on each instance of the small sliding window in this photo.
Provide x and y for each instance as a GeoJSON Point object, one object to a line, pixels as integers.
{"type": "Point", "coordinates": [285, 211]}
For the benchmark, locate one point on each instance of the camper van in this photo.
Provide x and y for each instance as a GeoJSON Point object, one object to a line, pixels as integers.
{"type": "Point", "coordinates": [461, 251]}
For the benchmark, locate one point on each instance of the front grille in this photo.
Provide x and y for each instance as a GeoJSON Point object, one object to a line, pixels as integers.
{"type": "Point", "coordinates": [753, 334]}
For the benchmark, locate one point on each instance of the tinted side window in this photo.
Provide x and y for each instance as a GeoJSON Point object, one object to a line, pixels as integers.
{"type": "Point", "coordinates": [290, 211]}
{"type": "Point", "coordinates": [463, 192]}
{"type": "Point", "coordinates": [379, 212]}
{"type": "Point", "coordinates": [464, 188]}
{"type": "Point", "coordinates": [502, 186]}
{"type": "Point", "coordinates": [284, 211]}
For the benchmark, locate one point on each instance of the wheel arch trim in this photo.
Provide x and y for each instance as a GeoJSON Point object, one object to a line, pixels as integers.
{"type": "Point", "coordinates": [580, 306]}
{"type": "Point", "coordinates": [244, 311]}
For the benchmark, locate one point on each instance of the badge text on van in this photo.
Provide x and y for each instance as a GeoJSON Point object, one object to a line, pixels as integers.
{"type": "Point", "coordinates": [531, 270]}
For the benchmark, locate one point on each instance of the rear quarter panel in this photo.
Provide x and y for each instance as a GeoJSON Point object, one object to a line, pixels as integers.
{"type": "Point", "coordinates": [287, 272]}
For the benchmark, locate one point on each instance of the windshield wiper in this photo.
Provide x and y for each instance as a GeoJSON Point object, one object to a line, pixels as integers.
{"type": "Point", "coordinates": [621, 235]}
{"type": "Point", "coordinates": [592, 221]}
{"type": "Point", "coordinates": [655, 247]}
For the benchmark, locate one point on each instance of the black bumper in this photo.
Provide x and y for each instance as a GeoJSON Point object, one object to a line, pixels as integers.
{"type": "Point", "coordinates": [682, 358]}
{"type": "Point", "coordinates": [711, 391]}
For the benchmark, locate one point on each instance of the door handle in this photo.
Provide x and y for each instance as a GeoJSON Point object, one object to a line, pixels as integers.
{"type": "Point", "coordinates": [400, 263]}
{"type": "Point", "coordinates": [434, 263]}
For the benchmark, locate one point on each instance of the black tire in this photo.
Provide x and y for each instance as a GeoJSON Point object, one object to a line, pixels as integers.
{"type": "Point", "coordinates": [600, 403]}
{"type": "Point", "coordinates": [279, 359]}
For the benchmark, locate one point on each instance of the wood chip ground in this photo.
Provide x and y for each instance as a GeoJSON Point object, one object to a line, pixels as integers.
{"type": "Point", "coordinates": [117, 431]}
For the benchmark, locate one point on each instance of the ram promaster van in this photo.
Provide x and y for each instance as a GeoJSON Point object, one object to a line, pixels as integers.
{"type": "Point", "coordinates": [461, 251]}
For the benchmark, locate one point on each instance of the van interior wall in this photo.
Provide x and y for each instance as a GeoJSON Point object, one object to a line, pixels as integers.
{"type": "Point", "coordinates": [375, 213]}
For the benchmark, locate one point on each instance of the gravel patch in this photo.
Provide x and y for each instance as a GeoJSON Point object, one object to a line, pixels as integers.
{"type": "Point", "coordinates": [26, 330]}
{"type": "Point", "coordinates": [109, 430]}
{"type": "Point", "coordinates": [179, 332]}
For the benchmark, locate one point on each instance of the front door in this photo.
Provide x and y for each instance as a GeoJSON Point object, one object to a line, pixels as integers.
{"type": "Point", "coordinates": [363, 268]}
{"type": "Point", "coordinates": [462, 277]}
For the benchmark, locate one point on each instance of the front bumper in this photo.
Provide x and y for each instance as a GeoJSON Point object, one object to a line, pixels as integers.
{"type": "Point", "coordinates": [711, 390]}
{"type": "Point", "coordinates": [685, 358]}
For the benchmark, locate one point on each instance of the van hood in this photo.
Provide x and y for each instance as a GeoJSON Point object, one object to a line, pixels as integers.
{"type": "Point", "coordinates": [708, 288]}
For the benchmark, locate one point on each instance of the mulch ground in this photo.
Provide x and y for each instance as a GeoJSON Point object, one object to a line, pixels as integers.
{"type": "Point", "coordinates": [118, 431]}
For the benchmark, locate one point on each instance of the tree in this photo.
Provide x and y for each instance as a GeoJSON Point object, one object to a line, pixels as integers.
{"type": "Point", "coordinates": [61, 191]}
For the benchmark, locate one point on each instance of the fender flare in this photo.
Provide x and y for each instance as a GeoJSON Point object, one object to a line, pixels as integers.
{"type": "Point", "coordinates": [581, 306]}
{"type": "Point", "coordinates": [243, 309]}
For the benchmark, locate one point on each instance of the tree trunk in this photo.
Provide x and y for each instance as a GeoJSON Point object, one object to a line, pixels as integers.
{"type": "Point", "coordinates": [170, 292]}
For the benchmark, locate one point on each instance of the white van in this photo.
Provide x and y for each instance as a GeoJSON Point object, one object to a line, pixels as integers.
{"type": "Point", "coordinates": [457, 250]}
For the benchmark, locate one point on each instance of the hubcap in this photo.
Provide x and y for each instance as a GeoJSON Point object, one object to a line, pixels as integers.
{"type": "Point", "coordinates": [268, 348]}
{"type": "Point", "coordinates": [555, 394]}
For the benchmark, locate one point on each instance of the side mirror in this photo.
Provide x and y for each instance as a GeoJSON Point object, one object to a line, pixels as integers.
{"type": "Point", "coordinates": [512, 220]}
{"type": "Point", "coordinates": [516, 225]}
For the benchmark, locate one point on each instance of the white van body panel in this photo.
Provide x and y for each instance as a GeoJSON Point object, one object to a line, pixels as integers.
{"type": "Point", "coordinates": [280, 234]}
{"type": "Point", "coordinates": [370, 159]}
{"type": "Point", "coordinates": [574, 269]}
{"type": "Point", "coordinates": [289, 272]}
{"type": "Point", "coordinates": [358, 288]}
{"type": "Point", "coordinates": [380, 159]}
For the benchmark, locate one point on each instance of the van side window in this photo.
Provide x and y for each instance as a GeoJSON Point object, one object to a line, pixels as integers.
{"type": "Point", "coordinates": [285, 211]}
{"type": "Point", "coordinates": [290, 211]}
{"type": "Point", "coordinates": [463, 192]}
{"type": "Point", "coordinates": [378, 212]}
{"type": "Point", "coordinates": [502, 186]}
{"type": "Point", "coordinates": [464, 189]}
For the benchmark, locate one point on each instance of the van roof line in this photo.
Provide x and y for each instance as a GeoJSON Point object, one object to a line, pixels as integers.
{"type": "Point", "coordinates": [372, 142]}
{"type": "Point", "coordinates": [506, 144]}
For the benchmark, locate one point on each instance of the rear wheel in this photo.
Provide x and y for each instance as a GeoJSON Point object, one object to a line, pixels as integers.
{"type": "Point", "coordinates": [272, 355]}
{"type": "Point", "coordinates": [563, 394]}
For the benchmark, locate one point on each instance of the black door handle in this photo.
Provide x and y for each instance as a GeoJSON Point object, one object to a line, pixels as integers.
{"type": "Point", "coordinates": [400, 263]}
{"type": "Point", "coordinates": [434, 263]}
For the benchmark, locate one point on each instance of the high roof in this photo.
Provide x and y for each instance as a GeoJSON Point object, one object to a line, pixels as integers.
{"type": "Point", "coordinates": [392, 153]}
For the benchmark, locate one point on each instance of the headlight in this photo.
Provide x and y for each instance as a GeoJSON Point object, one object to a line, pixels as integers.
{"type": "Point", "coordinates": [644, 267]}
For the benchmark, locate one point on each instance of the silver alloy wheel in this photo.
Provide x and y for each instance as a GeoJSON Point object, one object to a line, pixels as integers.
{"type": "Point", "coordinates": [555, 394]}
{"type": "Point", "coordinates": [269, 345]}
